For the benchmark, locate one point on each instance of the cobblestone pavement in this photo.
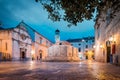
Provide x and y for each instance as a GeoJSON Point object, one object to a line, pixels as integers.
{"type": "Point", "coordinates": [84, 70]}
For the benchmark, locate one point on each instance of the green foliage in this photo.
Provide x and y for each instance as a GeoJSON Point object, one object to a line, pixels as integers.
{"type": "Point", "coordinates": [74, 11]}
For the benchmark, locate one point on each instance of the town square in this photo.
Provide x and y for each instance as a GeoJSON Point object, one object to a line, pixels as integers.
{"type": "Point", "coordinates": [60, 40]}
{"type": "Point", "coordinates": [84, 70]}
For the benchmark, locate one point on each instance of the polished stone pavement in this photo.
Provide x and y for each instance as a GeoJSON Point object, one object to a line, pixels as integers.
{"type": "Point", "coordinates": [35, 70]}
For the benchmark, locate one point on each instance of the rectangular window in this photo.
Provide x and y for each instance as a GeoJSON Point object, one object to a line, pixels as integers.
{"type": "Point", "coordinates": [6, 46]}
{"type": "Point", "coordinates": [86, 46]}
{"type": "Point", "coordinates": [40, 40]}
{"type": "Point", "coordinates": [46, 43]}
{"type": "Point", "coordinates": [79, 49]}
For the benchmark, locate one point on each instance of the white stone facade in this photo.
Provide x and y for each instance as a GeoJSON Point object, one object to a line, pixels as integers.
{"type": "Point", "coordinates": [22, 43]}
{"type": "Point", "coordinates": [12, 44]}
{"type": "Point", "coordinates": [62, 52]}
{"type": "Point", "coordinates": [84, 46]}
{"type": "Point", "coordinates": [107, 37]}
{"type": "Point", "coordinates": [41, 46]}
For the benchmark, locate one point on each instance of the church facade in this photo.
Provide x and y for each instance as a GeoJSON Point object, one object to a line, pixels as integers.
{"type": "Point", "coordinates": [22, 43]}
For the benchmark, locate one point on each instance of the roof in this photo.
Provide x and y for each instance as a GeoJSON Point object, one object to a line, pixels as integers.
{"type": "Point", "coordinates": [80, 39]}
{"type": "Point", "coordinates": [30, 30]}
{"type": "Point", "coordinates": [1, 28]}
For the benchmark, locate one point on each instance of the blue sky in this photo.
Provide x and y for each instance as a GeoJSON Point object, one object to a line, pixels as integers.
{"type": "Point", "coordinates": [14, 11]}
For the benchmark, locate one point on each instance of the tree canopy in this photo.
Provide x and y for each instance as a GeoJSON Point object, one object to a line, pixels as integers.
{"type": "Point", "coordinates": [75, 11]}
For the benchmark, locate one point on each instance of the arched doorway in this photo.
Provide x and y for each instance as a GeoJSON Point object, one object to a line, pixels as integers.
{"type": "Point", "coordinates": [108, 50]}
{"type": "Point", "coordinates": [22, 54]}
{"type": "Point", "coordinates": [40, 54]}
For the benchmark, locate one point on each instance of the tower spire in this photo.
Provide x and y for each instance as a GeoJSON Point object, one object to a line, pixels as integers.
{"type": "Point", "coordinates": [57, 36]}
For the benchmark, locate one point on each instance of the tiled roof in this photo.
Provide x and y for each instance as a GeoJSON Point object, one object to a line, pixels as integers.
{"type": "Point", "coordinates": [80, 39]}
{"type": "Point", "coordinates": [30, 30]}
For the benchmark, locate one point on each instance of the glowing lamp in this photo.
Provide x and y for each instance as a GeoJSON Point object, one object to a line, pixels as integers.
{"type": "Point", "coordinates": [94, 46]}
{"type": "Point", "coordinates": [83, 40]}
{"type": "Point", "coordinates": [32, 52]}
{"type": "Point", "coordinates": [101, 46]}
{"type": "Point", "coordinates": [111, 39]}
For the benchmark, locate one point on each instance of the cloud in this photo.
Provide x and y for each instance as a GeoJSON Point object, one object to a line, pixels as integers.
{"type": "Point", "coordinates": [13, 11]}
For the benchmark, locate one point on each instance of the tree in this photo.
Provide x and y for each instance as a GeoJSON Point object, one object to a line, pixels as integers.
{"type": "Point", "coordinates": [75, 11]}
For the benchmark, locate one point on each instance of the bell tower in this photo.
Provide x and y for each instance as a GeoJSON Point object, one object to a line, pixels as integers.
{"type": "Point", "coordinates": [57, 36]}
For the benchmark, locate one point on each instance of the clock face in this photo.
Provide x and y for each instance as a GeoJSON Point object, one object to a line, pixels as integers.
{"type": "Point", "coordinates": [23, 37]}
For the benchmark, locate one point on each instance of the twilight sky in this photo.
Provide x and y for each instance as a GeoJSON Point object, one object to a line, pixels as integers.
{"type": "Point", "coordinates": [14, 11]}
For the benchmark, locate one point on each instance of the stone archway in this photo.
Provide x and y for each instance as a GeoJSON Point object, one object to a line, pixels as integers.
{"type": "Point", "coordinates": [108, 50]}
{"type": "Point", "coordinates": [40, 54]}
{"type": "Point", "coordinates": [22, 54]}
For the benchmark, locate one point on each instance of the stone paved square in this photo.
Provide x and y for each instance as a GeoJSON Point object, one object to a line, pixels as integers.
{"type": "Point", "coordinates": [35, 70]}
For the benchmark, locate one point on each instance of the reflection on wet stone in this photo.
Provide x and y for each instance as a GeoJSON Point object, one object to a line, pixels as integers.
{"type": "Point", "coordinates": [85, 70]}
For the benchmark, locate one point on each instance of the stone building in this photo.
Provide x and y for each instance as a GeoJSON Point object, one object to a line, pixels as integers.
{"type": "Point", "coordinates": [62, 50]}
{"type": "Point", "coordinates": [22, 43]}
{"type": "Point", "coordinates": [40, 47]}
{"type": "Point", "coordinates": [107, 36]}
{"type": "Point", "coordinates": [84, 45]}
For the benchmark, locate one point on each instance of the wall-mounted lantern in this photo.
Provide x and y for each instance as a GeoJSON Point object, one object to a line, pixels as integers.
{"type": "Point", "coordinates": [101, 46]}
{"type": "Point", "coordinates": [111, 39]}
{"type": "Point", "coordinates": [94, 46]}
